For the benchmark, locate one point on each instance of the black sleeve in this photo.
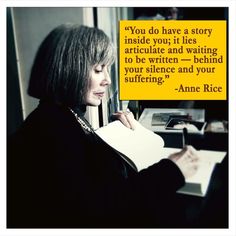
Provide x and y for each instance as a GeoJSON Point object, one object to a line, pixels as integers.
{"type": "Point", "coordinates": [147, 199]}
{"type": "Point", "coordinates": [164, 175]}
{"type": "Point", "coordinates": [83, 183]}
{"type": "Point", "coordinates": [102, 186]}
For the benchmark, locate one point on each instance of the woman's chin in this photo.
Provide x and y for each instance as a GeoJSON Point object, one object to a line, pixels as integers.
{"type": "Point", "coordinates": [94, 103]}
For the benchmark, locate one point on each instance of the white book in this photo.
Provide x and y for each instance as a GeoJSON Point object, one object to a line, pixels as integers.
{"type": "Point", "coordinates": [198, 184]}
{"type": "Point", "coordinates": [142, 148]}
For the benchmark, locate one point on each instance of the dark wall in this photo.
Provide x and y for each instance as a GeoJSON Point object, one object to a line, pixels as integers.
{"type": "Point", "coordinates": [184, 13]}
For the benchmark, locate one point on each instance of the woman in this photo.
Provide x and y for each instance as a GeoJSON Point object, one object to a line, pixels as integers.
{"type": "Point", "coordinates": [60, 174]}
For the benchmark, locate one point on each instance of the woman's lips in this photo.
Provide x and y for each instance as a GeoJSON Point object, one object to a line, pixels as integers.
{"type": "Point", "coordinates": [99, 94]}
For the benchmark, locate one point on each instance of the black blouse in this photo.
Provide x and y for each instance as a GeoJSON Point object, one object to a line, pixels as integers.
{"type": "Point", "coordinates": [60, 175]}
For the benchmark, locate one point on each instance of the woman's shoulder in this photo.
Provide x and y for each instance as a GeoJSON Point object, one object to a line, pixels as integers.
{"type": "Point", "coordinates": [49, 112]}
{"type": "Point", "coordinates": [50, 118]}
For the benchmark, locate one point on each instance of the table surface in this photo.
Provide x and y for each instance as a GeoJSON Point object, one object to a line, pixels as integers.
{"type": "Point", "coordinates": [147, 114]}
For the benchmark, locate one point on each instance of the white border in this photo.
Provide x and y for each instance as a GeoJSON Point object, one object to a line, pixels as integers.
{"type": "Point", "coordinates": [232, 118]}
{"type": "Point", "coordinates": [3, 118]}
{"type": "Point", "coordinates": [118, 3]}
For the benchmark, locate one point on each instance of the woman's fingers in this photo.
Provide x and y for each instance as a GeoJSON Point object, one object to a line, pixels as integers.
{"type": "Point", "coordinates": [187, 160]}
{"type": "Point", "coordinates": [122, 117]}
{"type": "Point", "coordinates": [130, 119]}
{"type": "Point", "coordinates": [126, 117]}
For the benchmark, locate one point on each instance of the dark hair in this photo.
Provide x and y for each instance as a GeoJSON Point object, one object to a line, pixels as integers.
{"type": "Point", "coordinates": [64, 60]}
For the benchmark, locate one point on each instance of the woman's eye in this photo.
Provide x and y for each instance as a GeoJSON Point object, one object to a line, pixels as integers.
{"type": "Point", "coordinates": [98, 69]}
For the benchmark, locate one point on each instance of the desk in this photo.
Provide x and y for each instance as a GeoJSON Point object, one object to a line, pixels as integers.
{"type": "Point", "coordinates": [210, 211]}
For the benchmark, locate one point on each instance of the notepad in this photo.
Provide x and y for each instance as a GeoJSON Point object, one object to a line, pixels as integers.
{"type": "Point", "coordinates": [142, 148]}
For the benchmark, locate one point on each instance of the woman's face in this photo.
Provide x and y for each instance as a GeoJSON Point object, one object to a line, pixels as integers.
{"type": "Point", "coordinates": [97, 86]}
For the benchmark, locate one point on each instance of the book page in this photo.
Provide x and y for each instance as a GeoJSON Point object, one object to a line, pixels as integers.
{"type": "Point", "coordinates": [144, 147]}
{"type": "Point", "coordinates": [141, 145]}
{"type": "Point", "coordinates": [198, 183]}
{"type": "Point", "coordinates": [204, 155]}
{"type": "Point", "coordinates": [207, 161]}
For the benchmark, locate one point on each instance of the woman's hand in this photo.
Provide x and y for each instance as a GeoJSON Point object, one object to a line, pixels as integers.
{"type": "Point", "coordinates": [187, 160]}
{"type": "Point", "coordinates": [125, 117]}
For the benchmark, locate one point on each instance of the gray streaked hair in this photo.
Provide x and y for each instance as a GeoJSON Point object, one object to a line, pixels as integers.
{"type": "Point", "coordinates": [64, 61]}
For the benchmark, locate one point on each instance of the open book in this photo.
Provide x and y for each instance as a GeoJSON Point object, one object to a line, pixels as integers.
{"type": "Point", "coordinates": [142, 148]}
{"type": "Point", "coordinates": [198, 184]}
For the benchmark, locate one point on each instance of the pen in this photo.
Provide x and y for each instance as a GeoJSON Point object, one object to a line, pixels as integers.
{"type": "Point", "coordinates": [185, 137]}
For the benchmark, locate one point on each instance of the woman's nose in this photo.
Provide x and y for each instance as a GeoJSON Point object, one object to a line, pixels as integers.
{"type": "Point", "coordinates": [107, 78]}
